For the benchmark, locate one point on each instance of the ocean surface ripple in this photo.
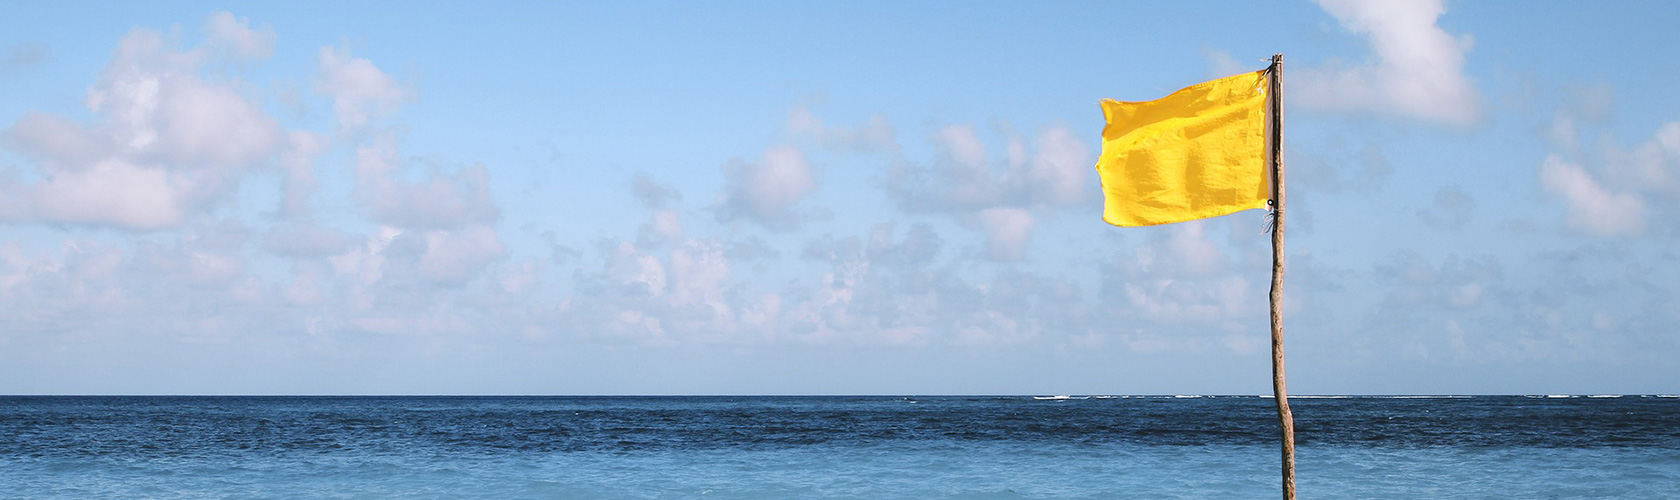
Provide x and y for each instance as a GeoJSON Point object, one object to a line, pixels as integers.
{"type": "Point", "coordinates": [832, 447]}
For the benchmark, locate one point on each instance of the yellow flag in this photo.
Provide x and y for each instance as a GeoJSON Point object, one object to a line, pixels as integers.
{"type": "Point", "coordinates": [1199, 152]}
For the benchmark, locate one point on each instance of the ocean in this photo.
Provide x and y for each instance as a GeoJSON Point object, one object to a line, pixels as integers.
{"type": "Point", "coordinates": [854, 447]}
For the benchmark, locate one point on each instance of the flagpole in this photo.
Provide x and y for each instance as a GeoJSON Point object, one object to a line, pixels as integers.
{"type": "Point", "coordinates": [1285, 418]}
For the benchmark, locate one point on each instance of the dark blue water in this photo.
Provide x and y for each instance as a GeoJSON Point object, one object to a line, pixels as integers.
{"type": "Point", "coordinates": [832, 447]}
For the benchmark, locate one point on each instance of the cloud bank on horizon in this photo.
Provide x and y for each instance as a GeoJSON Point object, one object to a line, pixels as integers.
{"type": "Point", "coordinates": [759, 202]}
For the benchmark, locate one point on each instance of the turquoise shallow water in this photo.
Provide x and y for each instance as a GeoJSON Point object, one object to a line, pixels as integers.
{"type": "Point", "coordinates": [832, 447]}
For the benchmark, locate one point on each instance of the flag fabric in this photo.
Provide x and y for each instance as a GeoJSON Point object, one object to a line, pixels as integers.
{"type": "Point", "coordinates": [1199, 152]}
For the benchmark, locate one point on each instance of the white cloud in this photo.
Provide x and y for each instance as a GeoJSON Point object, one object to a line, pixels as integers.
{"type": "Point", "coordinates": [875, 136]}
{"type": "Point", "coordinates": [204, 124]}
{"type": "Point", "coordinates": [60, 292]}
{"type": "Point", "coordinates": [305, 288]}
{"type": "Point", "coordinates": [154, 103]}
{"type": "Point", "coordinates": [652, 193]}
{"type": "Point", "coordinates": [664, 228]}
{"type": "Point", "coordinates": [211, 257]}
{"type": "Point", "coordinates": [881, 291]}
{"type": "Point", "coordinates": [766, 191]}
{"type": "Point", "coordinates": [1414, 286]}
{"type": "Point", "coordinates": [962, 145]}
{"type": "Point", "coordinates": [233, 37]}
{"type": "Point", "coordinates": [113, 192]}
{"type": "Point", "coordinates": [1416, 71]}
{"type": "Point", "coordinates": [1055, 172]}
{"type": "Point", "coordinates": [1221, 64]}
{"type": "Point", "coordinates": [699, 273]}
{"type": "Point", "coordinates": [629, 266]}
{"type": "Point", "coordinates": [456, 257]}
{"type": "Point", "coordinates": [358, 89]}
{"type": "Point", "coordinates": [1180, 280]}
{"type": "Point", "coordinates": [61, 145]}
{"type": "Point", "coordinates": [1060, 171]}
{"type": "Point", "coordinates": [304, 240]}
{"type": "Point", "coordinates": [1585, 105]}
{"type": "Point", "coordinates": [1651, 167]}
{"type": "Point", "coordinates": [398, 268]}
{"type": "Point", "coordinates": [1177, 302]}
{"type": "Point", "coordinates": [298, 162]}
{"type": "Point", "coordinates": [1003, 197]}
{"type": "Point", "coordinates": [166, 143]}
{"type": "Point", "coordinates": [1465, 295]}
{"type": "Point", "coordinates": [522, 278]}
{"type": "Point", "coordinates": [365, 263]}
{"type": "Point", "coordinates": [652, 299]}
{"type": "Point", "coordinates": [1452, 209]}
{"type": "Point", "coordinates": [1338, 169]}
{"type": "Point", "coordinates": [23, 55]}
{"type": "Point", "coordinates": [1592, 208]}
{"type": "Point", "coordinates": [1179, 251]}
{"type": "Point", "coordinates": [920, 247]}
{"type": "Point", "coordinates": [441, 201]}
{"type": "Point", "coordinates": [1007, 231]}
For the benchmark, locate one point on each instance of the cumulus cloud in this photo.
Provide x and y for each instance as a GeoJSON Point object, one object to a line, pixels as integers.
{"type": "Point", "coordinates": [1416, 68]}
{"type": "Point", "coordinates": [210, 257]}
{"type": "Point", "coordinates": [1592, 209]}
{"type": "Point", "coordinates": [874, 136]}
{"type": "Point", "coordinates": [358, 89]}
{"type": "Point", "coordinates": [42, 292]}
{"type": "Point", "coordinates": [165, 144]}
{"type": "Point", "coordinates": [921, 246]}
{"type": "Point", "coordinates": [1221, 64]}
{"type": "Point", "coordinates": [1450, 210]}
{"type": "Point", "coordinates": [1613, 189]}
{"type": "Point", "coordinates": [233, 37]}
{"type": "Point", "coordinates": [1417, 295]}
{"type": "Point", "coordinates": [306, 287]}
{"type": "Point", "coordinates": [455, 257]}
{"type": "Point", "coordinates": [169, 140]}
{"type": "Point", "coordinates": [1586, 105]}
{"type": "Point", "coordinates": [963, 147]}
{"type": "Point", "coordinates": [305, 240]}
{"type": "Point", "coordinates": [699, 272]}
{"type": "Point", "coordinates": [665, 227]}
{"type": "Point", "coordinates": [438, 227]}
{"type": "Point", "coordinates": [888, 286]}
{"type": "Point", "coordinates": [1176, 252]}
{"type": "Point", "coordinates": [652, 193]}
{"type": "Point", "coordinates": [1007, 230]}
{"type": "Point", "coordinates": [111, 192]}
{"type": "Point", "coordinates": [1054, 172]}
{"type": "Point", "coordinates": [1180, 280]}
{"type": "Point", "coordinates": [1651, 167]}
{"type": "Point", "coordinates": [661, 298]}
{"type": "Point", "coordinates": [1059, 172]}
{"type": "Point", "coordinates": [885, 290]}
{"type": "Point", "coordinates": [997, 195]}
{"type": "Point", "coordinates": [1181, 302]}
{"type": "Point", "coordinates": [1455, 282]}
{"type": "Point", "coordinates": [23, 55]}
{"type": "Point", "coordinates": [298, 163]}
{"type": "Point", "coordinates": [1338, 170]}
{"type": "Point", "coordinates": [154, 102]}
{"type": "Point", "coordinates": [406, 268]}
{"type": "Point", "coordinates": [442, 200]}
{"type": "Point", "coordinates": [191, 284]}
{"type": "Point", "coordinates": [767, 191]}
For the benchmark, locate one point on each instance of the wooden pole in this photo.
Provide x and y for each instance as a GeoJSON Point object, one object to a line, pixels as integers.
{"type": "Point", "coordinates": [1285, 418]}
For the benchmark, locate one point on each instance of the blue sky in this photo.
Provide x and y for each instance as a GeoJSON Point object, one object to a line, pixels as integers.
{"type": "Point", "coordinates": [837, 198]}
